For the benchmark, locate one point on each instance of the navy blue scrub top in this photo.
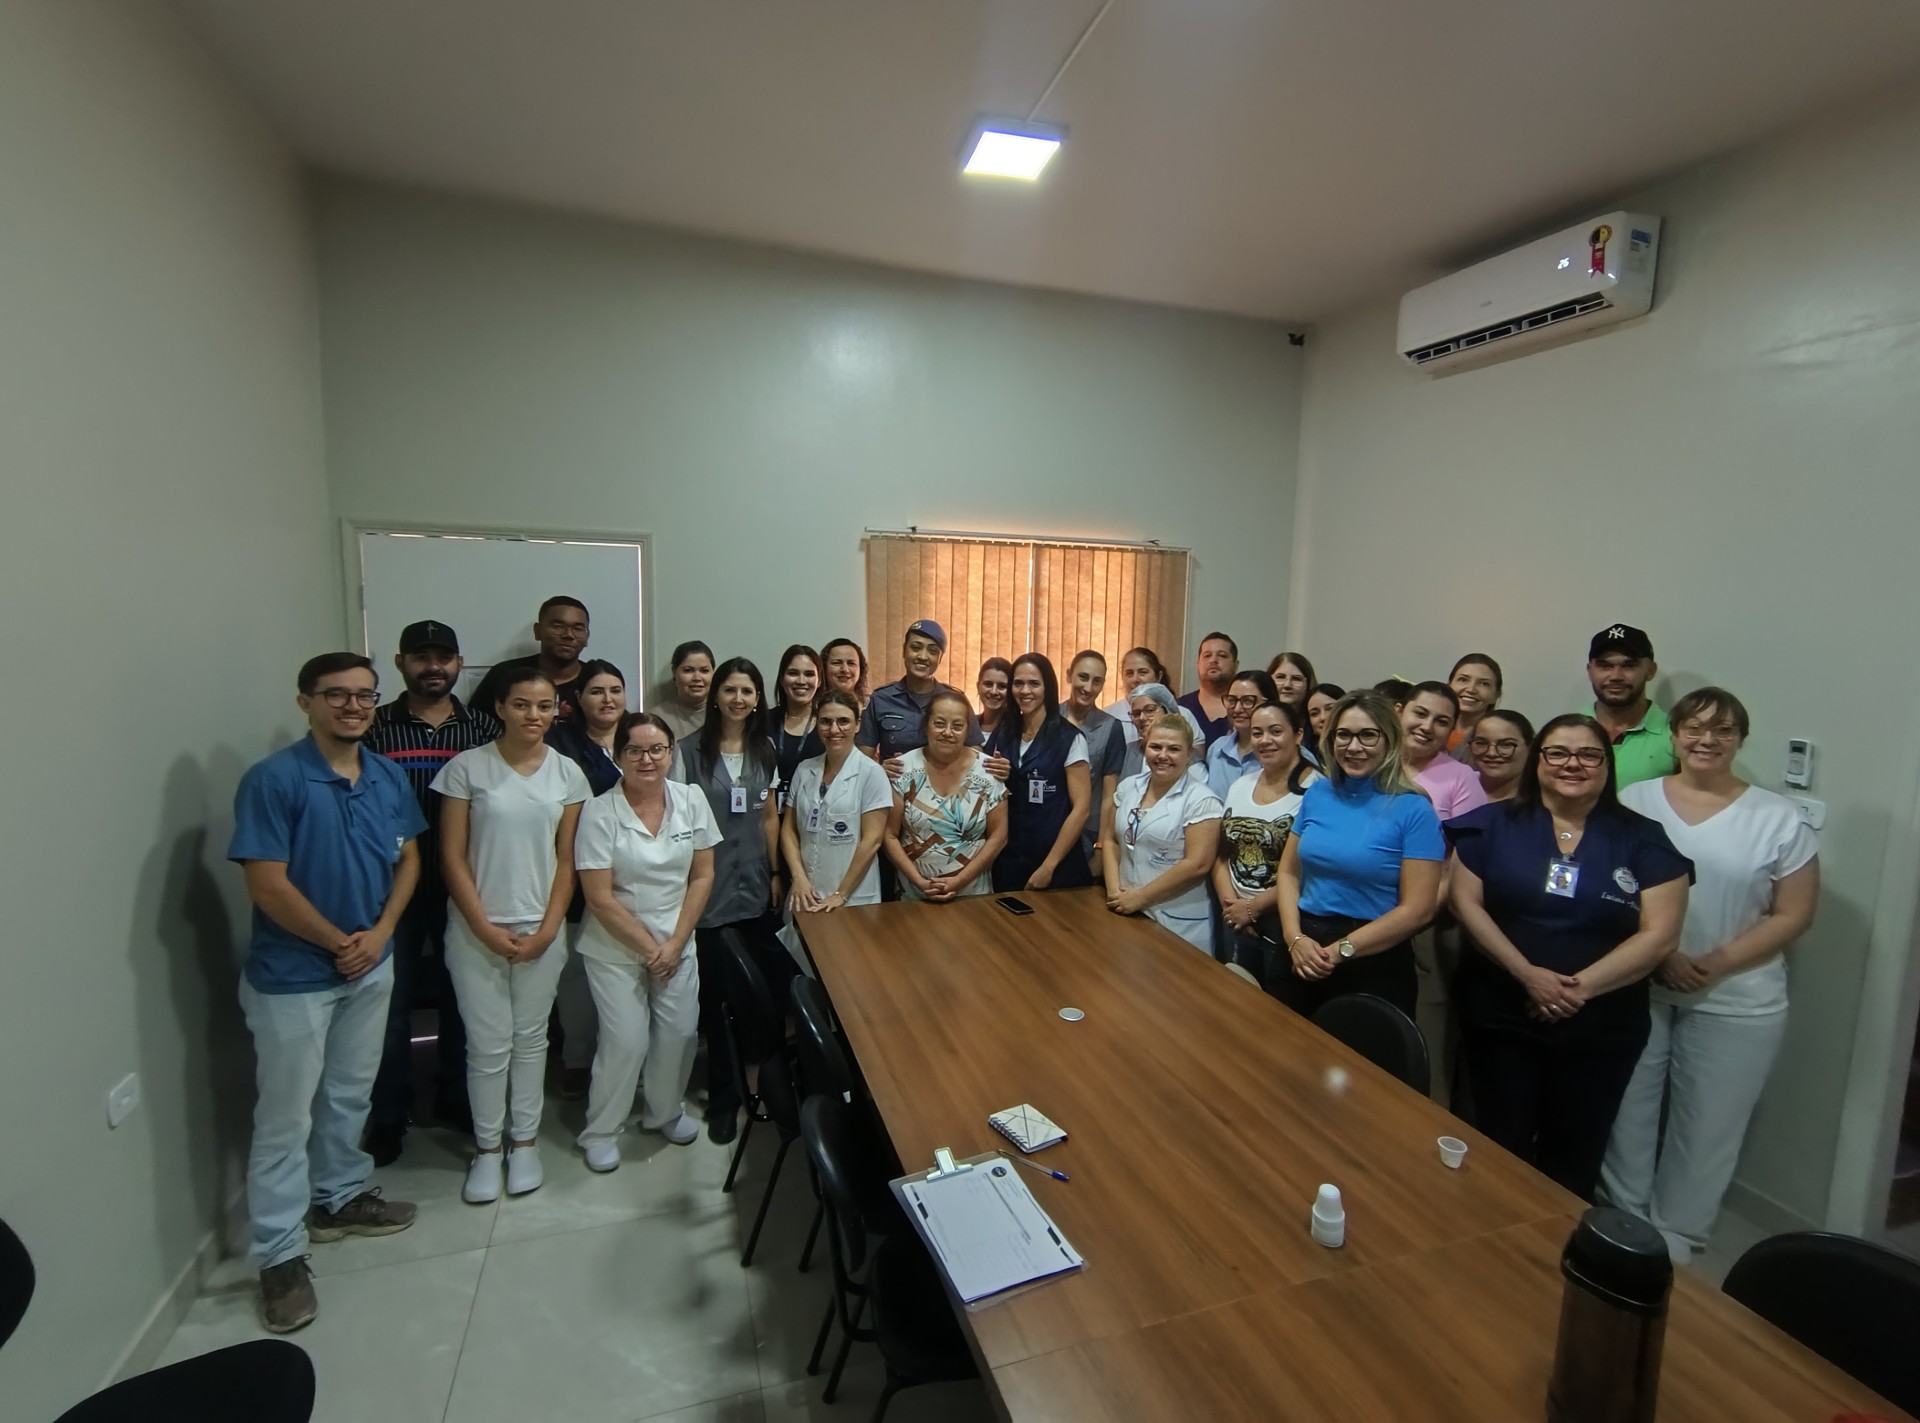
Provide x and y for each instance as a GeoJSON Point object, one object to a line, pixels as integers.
{"type": "Point", "coordinates": [1512, 851]}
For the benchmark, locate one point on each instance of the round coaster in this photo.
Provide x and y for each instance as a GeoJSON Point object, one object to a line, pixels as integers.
{"type": "Point", "coordinates": [1072, 1015]}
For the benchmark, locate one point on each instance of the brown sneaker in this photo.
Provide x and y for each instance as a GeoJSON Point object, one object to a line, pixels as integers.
{"type": "Point", "coordinates": [286, 1296]}
{"type": "Point", "coordinates": [365, 1214]}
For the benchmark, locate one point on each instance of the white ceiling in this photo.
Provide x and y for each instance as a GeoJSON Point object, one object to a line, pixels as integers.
{"type": "Point", "coordinates": [1277, 158]}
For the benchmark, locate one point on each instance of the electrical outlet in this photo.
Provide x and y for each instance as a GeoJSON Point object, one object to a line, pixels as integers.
{"type": "Point", "coordinates": [122, 1098]}
{"type": "Point", "coordinates": [1813, 812]}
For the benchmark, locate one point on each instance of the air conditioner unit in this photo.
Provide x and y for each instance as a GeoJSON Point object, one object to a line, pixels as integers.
{"type": "Point", "coordinates": [1585, 277]}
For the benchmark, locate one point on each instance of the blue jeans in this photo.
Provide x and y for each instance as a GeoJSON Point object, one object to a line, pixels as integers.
{"type": "Point", "coordinates": [316, 1056]}
{"type": "Point", "coordinates": [423, 922]}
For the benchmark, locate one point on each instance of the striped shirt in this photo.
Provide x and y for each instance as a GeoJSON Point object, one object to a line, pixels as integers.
{"type": "Point", "coordinates": [420, 749]}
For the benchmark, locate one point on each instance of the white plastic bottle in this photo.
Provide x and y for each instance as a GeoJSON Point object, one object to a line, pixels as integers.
{"type": "Point", "coordinates": [1329, 1226]}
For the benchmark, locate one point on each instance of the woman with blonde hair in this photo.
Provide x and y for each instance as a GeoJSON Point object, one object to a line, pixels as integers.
{"type": "Point", "coordinates": [1164, 837]}
{"type": "Point", "coordinates": [1360, 875]}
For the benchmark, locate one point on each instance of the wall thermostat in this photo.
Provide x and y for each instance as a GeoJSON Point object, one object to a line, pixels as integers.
{"type": "Point", "coordinates": [1799, 762]}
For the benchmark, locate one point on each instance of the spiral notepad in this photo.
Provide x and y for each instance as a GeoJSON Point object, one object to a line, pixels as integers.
{"type": "Point", "coordinates": [1027, 1127]}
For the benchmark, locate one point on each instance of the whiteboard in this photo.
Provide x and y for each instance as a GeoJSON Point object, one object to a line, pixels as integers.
{"type": "Point", "coordinates": [488, 589]}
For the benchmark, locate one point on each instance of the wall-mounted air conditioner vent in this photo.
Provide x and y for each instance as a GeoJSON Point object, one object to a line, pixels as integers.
{"type": "Point", "coordinates": [1584, 277]}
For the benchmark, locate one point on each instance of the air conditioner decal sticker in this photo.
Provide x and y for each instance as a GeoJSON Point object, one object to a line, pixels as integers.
{"type": "Point", "coordinates": [1597, 241]}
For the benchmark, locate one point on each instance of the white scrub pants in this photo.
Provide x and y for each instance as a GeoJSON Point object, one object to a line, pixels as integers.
{"type": "Point", "coordinates": [1709, 1069]}
{"type": "Point", "coordinates": [578, 1023]}
{"type": "Point", "coordinates": [505, 1008]}
{"type": "Point", "coordinates": [647, 1025]}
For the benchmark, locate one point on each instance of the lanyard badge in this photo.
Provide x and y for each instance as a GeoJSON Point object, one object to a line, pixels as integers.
{"type": "Point", "coordinates": [737, 800]}
{"type": "Point", "coordinates": [1036, 791]}
{"type": "Point", "coordinates": [1562, 876]}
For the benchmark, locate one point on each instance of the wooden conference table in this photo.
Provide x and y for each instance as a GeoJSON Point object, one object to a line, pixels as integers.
{"type": "Point", "coordinates": [1201, 1118]}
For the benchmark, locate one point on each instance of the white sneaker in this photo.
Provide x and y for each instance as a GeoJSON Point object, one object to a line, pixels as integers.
{"type": "Point", "coordinates": [524, 1172]}
{"type": "Point", "coordinates": [683, 1130]}
{"type": "Point", "coordinates": [483, 1179]}
{"type": "Point", "coordinates": [602, 1154]}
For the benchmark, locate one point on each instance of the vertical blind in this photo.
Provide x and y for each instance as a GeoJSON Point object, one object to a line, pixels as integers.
{"type": "Point", "coordinates": [999, 598]}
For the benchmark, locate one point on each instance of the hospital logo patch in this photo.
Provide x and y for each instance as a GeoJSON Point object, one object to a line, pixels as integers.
{"type": "Point", "coordinates": [1624, 878]}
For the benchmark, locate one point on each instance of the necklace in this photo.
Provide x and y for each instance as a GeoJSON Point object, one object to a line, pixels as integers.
{"type": "Point", "coordinates": [1566, 834]}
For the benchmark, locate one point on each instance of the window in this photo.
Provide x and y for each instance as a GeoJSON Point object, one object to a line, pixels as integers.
{"type": "Point", "coordinates": [1003, 597]}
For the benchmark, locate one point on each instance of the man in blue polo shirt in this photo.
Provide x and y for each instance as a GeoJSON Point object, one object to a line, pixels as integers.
{"type": "Point", "coordinates": [325, 832]}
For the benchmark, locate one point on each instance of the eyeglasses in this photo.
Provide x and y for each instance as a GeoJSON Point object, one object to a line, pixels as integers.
{"type": "Point", "coordinates": [1589, 756]}
{"type": "Point", "coordinates": [1133, 827]}
{"type": "Point", "coordinates": [339, 697]}
{"type": "Point", "coordinates": [1242, 703]}
{"type": "Point", "coordinates": [647, 753]}
{"type": "Point", "coordinates": [1501, 749]}
{"type": "Point", "coordinates": [1694, 731]}
{"type": "Point", "coordinates": [1369, 737]}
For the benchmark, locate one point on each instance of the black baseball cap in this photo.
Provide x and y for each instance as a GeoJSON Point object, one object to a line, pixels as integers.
{"type": "Point", "coordinates": [415, 636]}
{"type": "Point", "coordinates": [1619, 640]}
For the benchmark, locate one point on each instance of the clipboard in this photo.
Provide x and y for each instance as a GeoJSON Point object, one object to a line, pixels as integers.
{"type": "Point", "coordinates": [983, 1227]}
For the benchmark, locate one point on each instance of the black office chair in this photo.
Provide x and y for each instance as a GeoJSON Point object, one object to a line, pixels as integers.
{"type": "Point", "coordinates": [919, 1338]}
{"type": "Point", "coordinates": [757, 1033]}
{"type": "Point", "coordinates": [1380, 1033]}
{"type": "Point", "coordinates": [1853, 1303]}
{"type": "Point", "coordinates": [262, 1381]}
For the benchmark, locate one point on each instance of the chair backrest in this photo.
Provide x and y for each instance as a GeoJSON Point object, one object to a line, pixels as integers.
{"type": "Point", "coordinates": [16, 1281]}
{"type": "Point", "coordinates": [757, 1025]}
{"type": "Point", "coordinates": [826, 1126]}
{"type": "Point", "coordinates": [1855, 1304]}
{"type": "Point", "coordinates": [823, 1062]}
{"type": "Point", "coordinates": [1380, 1033]}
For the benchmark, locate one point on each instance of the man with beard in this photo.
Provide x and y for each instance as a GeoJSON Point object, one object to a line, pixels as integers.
{"type": "Point", "coordinates": [326, 832]}
{"type": "Point", "coordinates": [1620, 665]}
{"type": "Point", "coordinates": [561, 629]}
{"type": "Point", "coordinates": [419, 732]}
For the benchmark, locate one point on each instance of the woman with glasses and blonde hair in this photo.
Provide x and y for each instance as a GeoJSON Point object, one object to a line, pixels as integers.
{"type": "Point", "coordinates": [1164, 837]}
{"type": "Point", "coordinates": [1719, 1008]}
{"type": "Point", "coordinates": [1571, 900]}
{"type": "Point", "coordinates": [645, 858]}
{"type": "Point", "coordinates": [1360, 875]}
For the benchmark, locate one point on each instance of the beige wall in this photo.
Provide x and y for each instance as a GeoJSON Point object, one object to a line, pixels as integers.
{"type": "Point", "coordinates": [166, 563]}
{"type": "Point", "coordinates": [1737, 474]}
{"type": "Point", "coordinates": [754, 411]}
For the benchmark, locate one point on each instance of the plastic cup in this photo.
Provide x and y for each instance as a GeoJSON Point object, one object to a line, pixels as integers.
{"type": "Point", "coordinates": [1452, 1152]}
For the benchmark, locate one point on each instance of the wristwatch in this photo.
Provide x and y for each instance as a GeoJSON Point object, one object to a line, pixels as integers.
{"type": "Point", "coordinates": [1346, 948]}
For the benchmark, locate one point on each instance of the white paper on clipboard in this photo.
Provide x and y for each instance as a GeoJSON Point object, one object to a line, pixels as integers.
{"type": "Point", "coordinates": [986, 1229]}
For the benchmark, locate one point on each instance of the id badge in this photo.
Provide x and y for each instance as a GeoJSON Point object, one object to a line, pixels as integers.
{"type": "Point", "coordinates": [780, 800]}
{"type": "Point", "coordinates": [813, 818]}
{"type": "Point", "coordinates": [737, 800]}
{"type": "Point", "coordinates": [1036, 792]}
{"type": "Point", "coordinates": [1562, 876]}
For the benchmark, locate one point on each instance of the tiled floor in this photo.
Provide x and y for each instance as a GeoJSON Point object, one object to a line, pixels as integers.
{"type": "Point", "coordinates": [597, 1299]}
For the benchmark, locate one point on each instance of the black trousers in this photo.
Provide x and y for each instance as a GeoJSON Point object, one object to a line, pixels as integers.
{"type": "Point", "coordinates": [724, 1090]}
{"type": "Point", "coordinates": [1388, 974]}
{"type": "Point", "coordinates": [1550, 1095]}
{"type": "Point", "coordinates": [422, 923]}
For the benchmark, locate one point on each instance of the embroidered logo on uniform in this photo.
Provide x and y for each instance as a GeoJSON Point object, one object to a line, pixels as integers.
{"type": "Point", "coordinates": [839, 827]}
{"type": "Point", "coordinates": [1624, 878]}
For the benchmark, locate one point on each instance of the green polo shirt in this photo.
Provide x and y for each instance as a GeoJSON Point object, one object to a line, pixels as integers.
{"type": "Point", "coordinates": [1646, 752]}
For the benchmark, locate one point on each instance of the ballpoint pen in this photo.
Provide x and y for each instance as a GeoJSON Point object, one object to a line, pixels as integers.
{"type": "Point", "coordinates": [1043, 1170]}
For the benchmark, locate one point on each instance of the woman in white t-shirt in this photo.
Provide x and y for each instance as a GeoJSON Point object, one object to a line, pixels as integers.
{"type": "Point", "coordinates": [1165, 838]}
{"type": "Point", "coordinates": [949, 817]}
{"type": "Point", "coordinates": [645, 854]}
{"type": "Point", "coordinates": [1719, 1000]}
{"type": "Point", "coordinates": [835, 818]}
{"type": "Point", "coordinates": [1259, 816]}
{"type": "Point", "coordinates": [506, 849]}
